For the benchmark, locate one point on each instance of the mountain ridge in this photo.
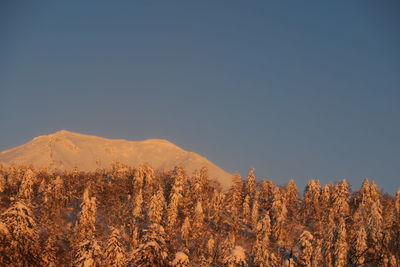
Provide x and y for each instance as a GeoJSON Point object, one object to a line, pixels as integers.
{"type": "Point", "coordinates": [65, 150]}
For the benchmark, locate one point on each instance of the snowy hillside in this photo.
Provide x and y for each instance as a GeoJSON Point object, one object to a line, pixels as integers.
{"type": "Point", "coordinates": [65, 150]}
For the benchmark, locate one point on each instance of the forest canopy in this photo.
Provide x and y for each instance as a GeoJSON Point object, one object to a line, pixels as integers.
{"type": "Point", "coordinates": [126, 216]}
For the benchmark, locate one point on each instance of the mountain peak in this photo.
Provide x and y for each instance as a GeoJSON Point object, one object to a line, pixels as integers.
{"type": "Point", "coordinates": [65, 150]}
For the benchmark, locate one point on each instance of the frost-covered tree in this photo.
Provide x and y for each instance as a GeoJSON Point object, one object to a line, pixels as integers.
{"type": "Point", "coordinates": [235, 199]}
{"type": "Point", "coordinates": [26, 187]}
{"type": "Point", "coordinates": [255, 212]}
{"type": "Point", "coordinates": [49, 257]}
{"type": "Point", "coordinates": [88, 253]}
{"type": "Point", "coordinates": [2, 183]}
{"type": "Point", "coordinates": [156, 207]}
{"type": "Point", "coordinates": [340, 244]}
{"type": "Point", "coordinates": [185, 230]}
{"type": "Point", "coordinates": [251, 184]}
{"type": "Point", "coordinates": [114, 254]}
{"type": "Point", "coordinates": [175, 197]}
{"type": "Point", "coordinates": [152, 250]}
{"type": "Point", "coordinates": [291, 195]}
{"type": "Point", "coordinates": [246, 210]}
{"type": "Point", "coordinates": [217, 209]}
{"type": "Point", "coordinates": [236, 258]}
{"type": "Point", "coordinates": [328, 241]}
{"type": "Point", "coordinates": [180, 260]}
{"type": "Point", "coordinates": [137, 205]}
{"type": "Point", "coordinates": [360, 245]}
{"type": "Point", "coordinates": [340, 199]}
{"type": "Point", "coordinates": [262, 253]}
{"type": "Point", "coordinates": [198, 221]}
{"type": "Point", "coordinates": [21, 244]}
{"type": "Point", "coordinates": [278, 215]}
{"type": "Point", "coordinates": [397, 202]}
{"type": "Point", "coordinates": [310, 208]}
{"type": "Point", "coordinates": [306, 249]}
{"type": "Point", "coordinates": [87, 217]}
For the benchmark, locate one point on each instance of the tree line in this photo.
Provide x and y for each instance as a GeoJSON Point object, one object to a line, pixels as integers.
{"type": "Point", "coordinates": [125, 216]}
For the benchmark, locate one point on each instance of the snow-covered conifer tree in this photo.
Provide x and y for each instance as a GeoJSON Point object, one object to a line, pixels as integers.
{"type": "Point", "coordinates": [251, 184]}
{"type": "Point", "coordinates": [340, 199]}
{"type": "Point", "coordinates": [50, 251]}
{"type": "Point", "coordinates": [360, 245]}
{"type": "Point", "coordinates": [246, 210]}
{"type": "Point", "coordinates": [234, 201]}
{"type": "Point", "coordinates": [217, 207]}
{"type": "Point", "coordinates": [255, 212]}
{"type": "Point", "coordinates": [291, 195]}
{"type": "Point", "coordinates": [2, 183]}
{"type": "Point", "coordinates": [21, 244]}
{"type": "Point", "coordinates": [306, 249]}
{"type": "Point", "coordinates": [87, 217]}
{"type": "Point", "coordinates": [180, 260]}
{"type": "Point", "coordinates": [310, 208]}
{"type": "Point", "coordinates": [278, 215]}
{"type": "Point", "coordinates": [236, 258]}
{"type": "Point", "coordinates": [114, 254]}
{"type": "Point", "coordinates": [340, 244]}
{"type": "Point", "coordinates": [152, 250]}
{"type": "Point", "coordinates": [198, 221]}
{"type": "Point", "coordinates": [397, 202]}
{"type": "Point", "coordinates": [175, 197]}
{"type": "Point", "coordinates": [88, 253]}
{"type": "Point", "coordinates": [26, 187]}
{"type": "Point", "coordinates": [262, 252]}
{"type": "Point", "coordinates": [185, 230]}
{"type": "Point", "coordinates": [137, 205]}
{"type": "Point", "coordinates": [156, 207]}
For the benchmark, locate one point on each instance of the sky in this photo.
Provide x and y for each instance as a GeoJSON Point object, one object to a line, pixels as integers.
{"type": "Point", "coordinates": [296, 89]}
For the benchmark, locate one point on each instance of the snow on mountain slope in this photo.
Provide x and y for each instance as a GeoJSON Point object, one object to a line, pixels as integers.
{"type": "Point", "coordinates": [65, 150]}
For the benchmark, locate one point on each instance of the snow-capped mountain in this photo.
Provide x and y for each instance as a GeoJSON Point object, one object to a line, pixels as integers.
{"type": "Point", "coordinates": [65, 150]}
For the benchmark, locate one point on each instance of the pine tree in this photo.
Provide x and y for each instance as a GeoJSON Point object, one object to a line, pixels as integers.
{"type": "Point", "coordinates": [114, 254]}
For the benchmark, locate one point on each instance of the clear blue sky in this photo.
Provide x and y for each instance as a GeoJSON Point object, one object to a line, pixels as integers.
{"type": "Point", "coordinates": [302, 89]}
